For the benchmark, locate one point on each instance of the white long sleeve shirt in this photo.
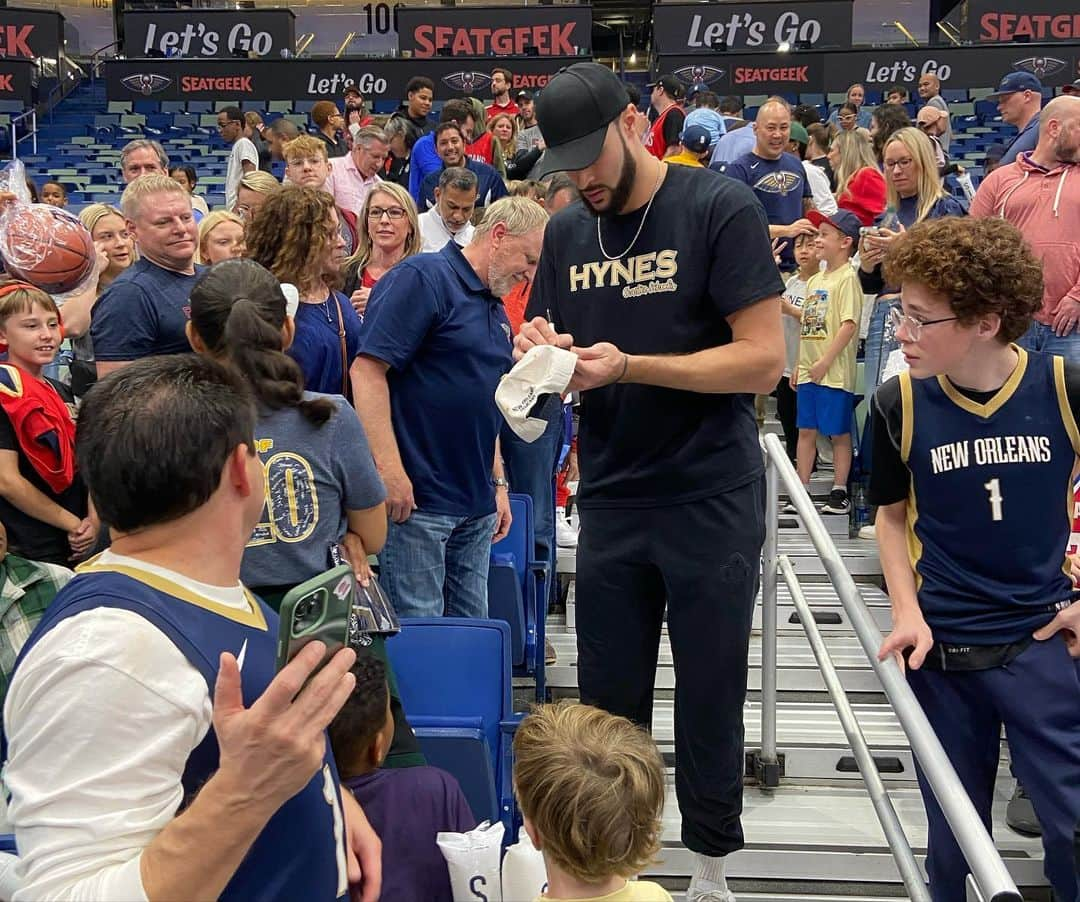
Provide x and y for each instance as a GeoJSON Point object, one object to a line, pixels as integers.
{"type": "Point", "coordinates": [101, 717]}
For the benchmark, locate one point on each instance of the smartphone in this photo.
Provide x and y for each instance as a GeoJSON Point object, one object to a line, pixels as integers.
{"type": "Point", "coordinates": [317, 609]}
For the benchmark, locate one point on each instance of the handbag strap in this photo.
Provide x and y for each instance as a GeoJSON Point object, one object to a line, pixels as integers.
{"type": "Point", "coordinates": [346, 386]}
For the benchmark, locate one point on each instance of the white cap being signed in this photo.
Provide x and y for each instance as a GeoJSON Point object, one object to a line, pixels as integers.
{"type": "Point", "coordinates": [544, 370]}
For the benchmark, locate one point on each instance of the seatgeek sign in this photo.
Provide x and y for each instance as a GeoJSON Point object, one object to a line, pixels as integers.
{"type": "Point", "coordinates": [426, 32]}
{"type": "Point", "coordinates": [1039, 21]}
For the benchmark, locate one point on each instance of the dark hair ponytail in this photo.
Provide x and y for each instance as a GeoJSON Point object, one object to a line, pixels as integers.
{"type": "Point", "coordinates": [238, 309]}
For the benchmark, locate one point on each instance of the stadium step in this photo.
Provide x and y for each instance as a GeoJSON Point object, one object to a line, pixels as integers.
{"type": "Point", "coordinates": [806, 835]}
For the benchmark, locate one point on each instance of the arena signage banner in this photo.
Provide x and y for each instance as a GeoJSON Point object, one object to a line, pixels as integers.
{"type": "Point", "coordinates": [209, 32]}
{"type": "Point", "coordinates": [697, 27]}
{"type": "Point", "coordinates": [1041, 21]}
{"type": "Point", "coordinates": [15, 80]}
{"type": "Point", "coordinates": [426, 32]}
{"type": "Point", "coordinates": [30, 33]}
{"type": "Point", "coordinates": [302, 79]}
{"type": "Point", "coordinates": [810, 72]}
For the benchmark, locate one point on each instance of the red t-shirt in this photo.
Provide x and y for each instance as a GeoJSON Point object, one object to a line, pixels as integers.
{"type": "Point", "coordinates": [495, 109]}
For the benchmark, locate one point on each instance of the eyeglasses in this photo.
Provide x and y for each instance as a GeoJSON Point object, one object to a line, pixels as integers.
{"type": "Point", "coordinates": [898, 318]}
{"type": "Point", "coordinates": [395, 213]}
{"type": "Point", "coordinates": [899, 164]}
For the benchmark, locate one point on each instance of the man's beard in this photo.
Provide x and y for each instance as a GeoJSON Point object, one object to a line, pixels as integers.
{"type": "Point", "coordinates": [500, 283]}
{"type": "Point", "coordinates": [620, 194]}
{"type": "Point", "coordinates": [1063, 153]}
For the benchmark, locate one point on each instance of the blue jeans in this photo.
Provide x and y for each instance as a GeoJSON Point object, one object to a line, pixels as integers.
{"type": "Point", "coordinates": [530, 470]}
{"type": "Point", "coordinates": [1040, 337]}
{"type": "Point", "coordinates": [435, 564]}
{"type": "Point", "coordinates": [879, 343]}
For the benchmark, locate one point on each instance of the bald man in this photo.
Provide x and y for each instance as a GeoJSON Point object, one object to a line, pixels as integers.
{"type": "Point", "coordinates": [1040, 195]}
{"type": "Point", "coordinates": [776, 177]}
{"type": "Point", "coordinates": [930, 92]}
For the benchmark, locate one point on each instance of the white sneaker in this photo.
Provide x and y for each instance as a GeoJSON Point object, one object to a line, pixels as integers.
{"type": "Point", "coordinates": [712, 895]}
{"type": "Point", "coordinates": [565, 534]}
{"type": "Point", "coordinates": [868, 532]}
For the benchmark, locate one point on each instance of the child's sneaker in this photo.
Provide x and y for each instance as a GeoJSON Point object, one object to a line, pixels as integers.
{"type": "Point", "coordinates": [838, 503]}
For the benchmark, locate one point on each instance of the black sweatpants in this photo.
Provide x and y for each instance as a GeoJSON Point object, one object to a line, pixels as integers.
{"type": "Point", "coordinates": [786, 398]}
{"type": "Point", "coordinates": [702, 560]}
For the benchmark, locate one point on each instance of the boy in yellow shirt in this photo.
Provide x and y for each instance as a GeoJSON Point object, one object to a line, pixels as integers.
{"type": "Point", "coordinates": [591, 788]}
{"type": "Point", "coordinates": [825, 375]}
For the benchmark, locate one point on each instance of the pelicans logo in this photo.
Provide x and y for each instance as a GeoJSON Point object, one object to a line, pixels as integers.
{"type": "Point", "coordinates": [778, 182]}
{"type": "Point", "coordinates": [467, 82]}
{"type": "Point", "coordinates": [699, 75]}
{"type": "Point", "coordinates": [146, 83]}
{"type": "Point", "coordinates": [1040, 66]}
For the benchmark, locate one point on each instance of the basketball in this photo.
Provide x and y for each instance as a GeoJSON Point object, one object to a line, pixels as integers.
{"type": "Point", "coordinates": [48, 247]}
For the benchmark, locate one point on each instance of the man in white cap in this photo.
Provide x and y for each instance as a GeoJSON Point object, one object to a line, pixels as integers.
{"type": "Point", "coordinates": [663, 283]}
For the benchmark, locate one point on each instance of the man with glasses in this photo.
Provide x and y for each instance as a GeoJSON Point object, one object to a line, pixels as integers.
{"type": "Point", "coordinates": [353, 176]}
{"type": "Point", "coordinates": [243, 158]}
{"type": "Point", "coordinates": [449, 219]}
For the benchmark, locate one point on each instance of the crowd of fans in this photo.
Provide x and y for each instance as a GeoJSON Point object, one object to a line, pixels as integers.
{"type": "Point", "coordinates": [311, 370]}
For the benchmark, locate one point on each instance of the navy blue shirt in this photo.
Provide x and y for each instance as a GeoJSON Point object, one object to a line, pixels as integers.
{"type": "Point", "coordinates": [447, 341]}
{"type": "Point", "coordinates": [317, 346]}
{"type": "Point", "coordinates": [780, 185]}
{"type": "Point", "coordinates": [1025, 140]}
{"type": "Point", "coordinates": [492, 187]}
{"type": "Point", "coordinates": [143, 313]}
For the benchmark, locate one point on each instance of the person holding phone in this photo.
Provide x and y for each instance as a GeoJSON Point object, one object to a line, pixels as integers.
{"type": "Point", "coordinates": [152, 750]}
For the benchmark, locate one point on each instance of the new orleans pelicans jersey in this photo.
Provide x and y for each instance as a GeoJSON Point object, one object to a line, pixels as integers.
{"type": "Point", "coordinates": [300, 853]}
{"type": "Point", "coordinates": [989, 514]}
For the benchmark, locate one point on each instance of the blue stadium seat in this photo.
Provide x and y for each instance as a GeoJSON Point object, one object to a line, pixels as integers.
{"type": "Point", "coordinates": [955, 95]}
{"type": "Point", "coordinates": [454, 674]}
{"type": "Point", "coordinates": [533, 580]}
{"type": "Point", "coordinates": [459, 746]}
{"type": "Point", "coordinates": [505, 602]}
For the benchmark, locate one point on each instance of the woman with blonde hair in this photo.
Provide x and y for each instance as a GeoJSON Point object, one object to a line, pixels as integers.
{"type": "Point", "coordinates": [860, 187]}
{"type": "Point", "coordinates": [221, 237]}
{"type": "Point", "coordinates": [915, 193]}
{"type": "Point", "coordinates": [296, 237]}
{"type": "Point", "coordinates": [517, 163]}
{"type": "Point", "coordinates": [252, 192]}
{"type": "Point", "coordinates": [115, 253]}
{"type": "Point", "coordinates": [388, 231]}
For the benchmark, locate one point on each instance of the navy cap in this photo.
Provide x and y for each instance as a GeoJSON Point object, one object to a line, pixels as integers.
{"type": "Point", "coordinates": [696, 138]}
{"type": "Point", "coordinates": [574, 112]}
{"type": "Point", "coordinates": [844, 220]}
{"type": "Point", "coordinates": [1074, 88]}
{"type": "Point", "coordinates": [1014, 82]}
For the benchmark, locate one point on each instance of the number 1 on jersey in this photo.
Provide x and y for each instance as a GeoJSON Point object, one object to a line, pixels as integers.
{"type": "Point", "coordinates": [994, 488]}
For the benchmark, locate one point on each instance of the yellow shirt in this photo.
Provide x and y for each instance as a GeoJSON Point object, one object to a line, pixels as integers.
{"type": "Point", "coordinates": [684, 158]}
{"type": "Point", "coordinates": [832, 299]}
{"type": "Point", "coordinates": [634, 891]}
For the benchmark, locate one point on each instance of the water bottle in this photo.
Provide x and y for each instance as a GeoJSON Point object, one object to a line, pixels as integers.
{"type": "Point", "coordinates": [860, 508]}
{"type": "Point", "coordinates": [963, 179]}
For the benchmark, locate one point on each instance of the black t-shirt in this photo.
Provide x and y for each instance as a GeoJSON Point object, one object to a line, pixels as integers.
{"type": "Point", "coordinates": [27, 537]}
{"type": "Point", "coordinates": [702, 255]}
{"type": "Point", "coordinates": [890, 478]}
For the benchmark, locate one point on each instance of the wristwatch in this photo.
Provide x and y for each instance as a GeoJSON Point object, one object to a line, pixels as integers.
{"type": "Point", "coordinates": [500, 483]}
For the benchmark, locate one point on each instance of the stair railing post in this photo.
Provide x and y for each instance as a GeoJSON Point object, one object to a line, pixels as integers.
{"type": "Point", "coordinates": [768, 768]}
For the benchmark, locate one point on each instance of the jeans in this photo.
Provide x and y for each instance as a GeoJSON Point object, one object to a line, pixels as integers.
{"type": "Point", "coordinates": [530, 470]}
{"type": "Point", "coordinates": [879, 343]}
{"type": "Point", "coordinates": [436, 564]}
{"type": "Point", "coordinates": [1040, 337]}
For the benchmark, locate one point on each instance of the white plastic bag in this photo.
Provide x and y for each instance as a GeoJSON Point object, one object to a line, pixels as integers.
{"type": "Point", "coordinates": [473, 861]}
{"type": "Point", "coordinates": [524, 876]}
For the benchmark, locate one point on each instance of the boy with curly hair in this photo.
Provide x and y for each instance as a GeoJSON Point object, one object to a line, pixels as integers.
{"type": "Point", "coordinates": [979, 439]}
{"type": "Point", "coordinates": [591, 788]}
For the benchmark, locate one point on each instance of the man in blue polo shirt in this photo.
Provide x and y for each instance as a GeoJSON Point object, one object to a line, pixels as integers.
{"type": "Point", "coordinates": [145, 311]}
{"type": "Point", "coordinates": [777, 178]}
{"type": "Point", "coordinates": [450, 146]}
{"type": "Point", "coordinates": [434, 345]}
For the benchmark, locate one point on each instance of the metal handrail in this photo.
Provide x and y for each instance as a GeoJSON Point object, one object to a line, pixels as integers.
{"type": "Point", "coordinates": [879, 796]}
{"type": "Point", "coordinates": [991, 878]}
{"type": "Point", "coordinates": [31, 114]}
{"type": "Point", "coordinates": [94, 62]}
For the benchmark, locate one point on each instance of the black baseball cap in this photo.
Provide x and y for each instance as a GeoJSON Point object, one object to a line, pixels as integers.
{"type": "Point", "coordinates": [1074, 88]}
{"type": "Point", "coordinates": [671, 85]}
{"type": "Point", "coordinates": [524, 95]}
{"type": "Point", "coordinates": [351, 88]}
{"type": "Point", "coordinates": [574, 112]}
